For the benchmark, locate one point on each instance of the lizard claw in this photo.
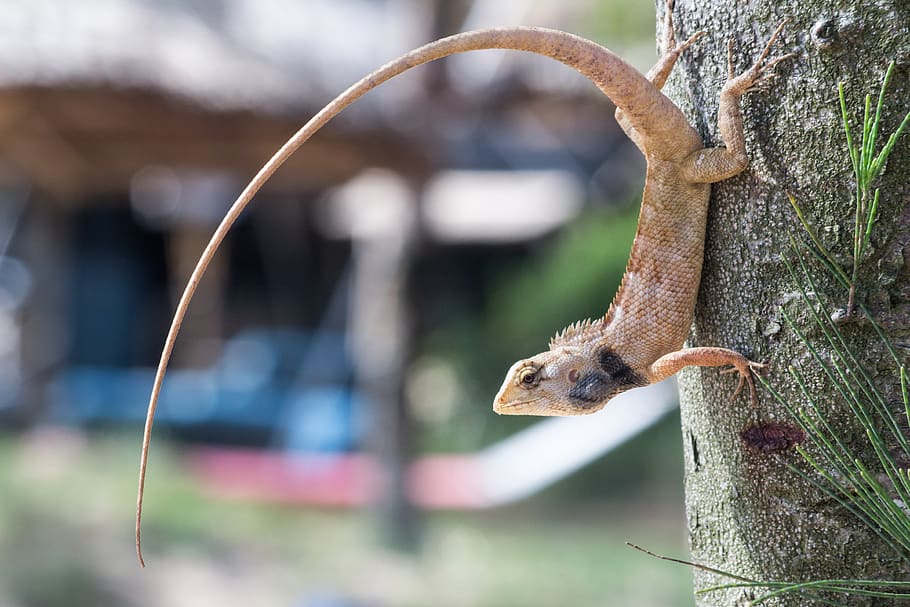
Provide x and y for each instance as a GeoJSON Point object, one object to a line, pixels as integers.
{"type": "Point", "coordinates": [669, 38]}
{"type": "Point", "coordinates": [767, 72]}
{"type": "Point", "coordinates": [745, 371]}
{"type": "Point", "coordinates": [679, 48]}
{"type": "Point", "coordinates": [762, 69]}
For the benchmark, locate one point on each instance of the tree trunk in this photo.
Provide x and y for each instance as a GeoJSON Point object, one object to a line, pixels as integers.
{"type": "Point", "coordinates": [748, 514]}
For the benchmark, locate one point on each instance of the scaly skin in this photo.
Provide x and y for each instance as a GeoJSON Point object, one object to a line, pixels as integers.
{"type": "Point", "coordinates": [678, 173]}
{"type": "Point", "coordinates": [640, 339]}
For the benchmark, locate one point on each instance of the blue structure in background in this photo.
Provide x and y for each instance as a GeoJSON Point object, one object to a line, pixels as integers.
{"type": "Point", "coordinates": [290, 387]}
{"type": "Point", "coordinates": [280, 386]}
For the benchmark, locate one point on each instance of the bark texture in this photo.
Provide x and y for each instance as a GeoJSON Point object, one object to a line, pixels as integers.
{"type": "Point", "coordinates": [747, 513]}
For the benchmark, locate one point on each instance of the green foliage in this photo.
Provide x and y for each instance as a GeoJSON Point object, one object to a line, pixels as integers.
{"type": "Point", "coordinates": [870, 588]}
{"type": "Point", "coordinates": [842, 473]}
{"type": "Point", "coordinates": [867, 167]}
{"type": "Point", "coordinates": [622, 22]}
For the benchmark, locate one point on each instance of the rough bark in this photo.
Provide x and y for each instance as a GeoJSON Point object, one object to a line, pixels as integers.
{"type": "Point", "coordinates": [747, 513]}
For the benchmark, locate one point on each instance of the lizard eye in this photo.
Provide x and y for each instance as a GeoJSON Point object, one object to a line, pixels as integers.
{"type": "Point", "coordinates": [528, 377]}
{"type": "Point", "coordinates": [574, 374]}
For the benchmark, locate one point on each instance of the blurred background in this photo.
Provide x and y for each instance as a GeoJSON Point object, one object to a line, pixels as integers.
{"type": "Point", "coordinates": [325, 436]}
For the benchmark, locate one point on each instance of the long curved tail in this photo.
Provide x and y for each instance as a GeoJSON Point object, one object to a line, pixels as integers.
{"type": "Point", "coordinates": [624, 85]}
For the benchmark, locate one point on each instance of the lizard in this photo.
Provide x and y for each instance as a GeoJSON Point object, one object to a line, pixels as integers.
{"type": "Point", "coordinates": [679, 171]}
{"type": "Point", "coordinates": [641, 338]}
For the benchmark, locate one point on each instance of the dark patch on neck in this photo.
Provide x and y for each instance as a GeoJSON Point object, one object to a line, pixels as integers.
{"type": "Point", "coordinates": [614, 376]}
{"type": "Point", "coordinates": [592, 387]}
{"type": "Point", "coordinates": [617, 369]}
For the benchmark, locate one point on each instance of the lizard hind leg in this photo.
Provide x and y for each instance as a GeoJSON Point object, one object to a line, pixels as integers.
{"type": "Point", "coordinates": [711, 165]}
{"type": "Point", "coordinates": [658, 74]}
{"type": "Point", "coordinates": [669, 48]}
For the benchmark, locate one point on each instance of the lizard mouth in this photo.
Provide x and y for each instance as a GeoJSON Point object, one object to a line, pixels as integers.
{"type": "Point", "coordinates": [521, 407]}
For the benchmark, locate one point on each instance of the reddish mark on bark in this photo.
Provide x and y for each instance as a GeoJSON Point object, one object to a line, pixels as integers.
{"type": "Point", "coordinates": [772, 437]}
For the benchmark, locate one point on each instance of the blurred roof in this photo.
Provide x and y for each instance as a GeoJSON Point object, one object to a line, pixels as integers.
{"type": "Point", "coordinates": [236, 54]}
{"type": "Point", "coordinates": [93, 91]}
{"type": "Point", "coordinates": [217, 54]}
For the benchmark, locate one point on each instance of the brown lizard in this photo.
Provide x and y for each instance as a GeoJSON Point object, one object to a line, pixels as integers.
{"type": "Point", "coordinates": [660, 285]}
{"type": "Point", "coordinates": [640, 340]}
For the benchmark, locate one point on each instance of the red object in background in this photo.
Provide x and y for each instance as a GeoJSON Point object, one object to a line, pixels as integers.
{"type": "Point", "coordinates": [345, 480]}
{"type": "Point", "coordinates": [325, 480]}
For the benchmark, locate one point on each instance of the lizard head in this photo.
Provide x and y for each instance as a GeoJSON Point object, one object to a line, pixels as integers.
{"type": "Point", "coordinates": [565, 380]}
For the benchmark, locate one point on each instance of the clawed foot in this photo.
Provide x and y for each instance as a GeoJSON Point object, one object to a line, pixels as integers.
{"type": "Point", "coordinates": [669, 42]}
{"type": "Point", "coordinates": [678, 49]}
{"type": "Point", "coordinates": [761, 71]}
{"type": "Point", "coordinates": [745, 370]}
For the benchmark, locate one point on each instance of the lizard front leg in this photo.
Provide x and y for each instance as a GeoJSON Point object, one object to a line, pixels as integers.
{"type": "Point", "coordinates": [670, 364]}
{"type": "Point", "coordinates": [716, 164]}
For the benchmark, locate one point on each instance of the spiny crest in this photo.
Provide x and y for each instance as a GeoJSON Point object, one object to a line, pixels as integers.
{"type": "Point", "coordinates": [577, 333]}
